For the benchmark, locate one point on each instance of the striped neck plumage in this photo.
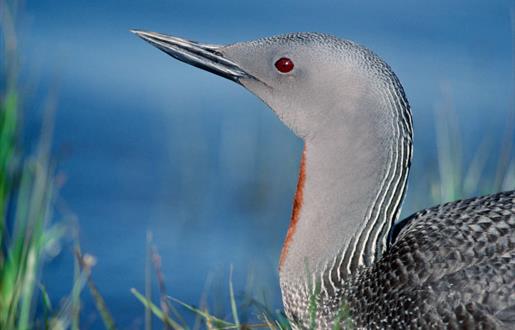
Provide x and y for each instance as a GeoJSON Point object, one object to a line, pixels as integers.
{"type": "Point", "coordinates": [351, 185]}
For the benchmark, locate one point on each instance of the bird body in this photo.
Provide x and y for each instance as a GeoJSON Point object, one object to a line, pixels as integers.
{"type": "Point", "coordinates": [451, 266]}
{"type": "Point", "coordinates": [344, 263]}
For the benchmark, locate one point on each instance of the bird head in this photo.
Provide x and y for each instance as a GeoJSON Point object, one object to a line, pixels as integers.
{"type": "Point", "coordinates": [305, 78]}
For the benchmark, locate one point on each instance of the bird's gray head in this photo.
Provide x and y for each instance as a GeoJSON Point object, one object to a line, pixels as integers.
{"type": "Point", "coordinates": [303, 77]}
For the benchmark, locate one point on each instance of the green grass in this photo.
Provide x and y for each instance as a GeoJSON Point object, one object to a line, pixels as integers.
{"type": "Point", "coordinates": [27, 194]}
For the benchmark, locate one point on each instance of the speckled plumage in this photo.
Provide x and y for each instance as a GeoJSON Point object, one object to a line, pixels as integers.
{"type": "Point", "coordinates": [451, 266]}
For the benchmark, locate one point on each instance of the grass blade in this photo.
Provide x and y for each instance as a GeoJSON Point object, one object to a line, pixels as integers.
{"type": "Point", "coordinates": [233, 300]}
{"type": "Point", "coordinates": [148, 282]}
{"type": "Point", "coordinates": [206, 316]}
{"type": "Point", "coordinates": [156, 310]}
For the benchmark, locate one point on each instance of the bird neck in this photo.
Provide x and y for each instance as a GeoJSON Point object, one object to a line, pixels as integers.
{"type": "Point", "coordinates": [351, 184]}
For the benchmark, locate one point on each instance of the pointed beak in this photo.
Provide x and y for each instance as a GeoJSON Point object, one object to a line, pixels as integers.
{"type": "Point", "coordinates": [204, 56]}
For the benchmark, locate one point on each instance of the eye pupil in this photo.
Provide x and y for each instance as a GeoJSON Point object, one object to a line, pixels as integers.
{"type": "Point", "coordinates": [284, 65]}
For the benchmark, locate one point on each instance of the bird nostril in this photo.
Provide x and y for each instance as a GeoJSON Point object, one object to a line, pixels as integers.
{"type": "Point", "coordinates": [284, 65]}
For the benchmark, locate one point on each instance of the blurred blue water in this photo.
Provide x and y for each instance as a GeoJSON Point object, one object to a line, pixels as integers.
{"type": "Point", "coordinates": [148, 143]}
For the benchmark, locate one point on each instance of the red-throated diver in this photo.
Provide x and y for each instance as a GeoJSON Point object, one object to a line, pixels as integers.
{"type": "Point", "coordinates": [450, 266]}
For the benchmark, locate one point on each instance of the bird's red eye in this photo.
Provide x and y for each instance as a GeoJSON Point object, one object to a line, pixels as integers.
{"type": "Point", "coordinates": [284, 65]}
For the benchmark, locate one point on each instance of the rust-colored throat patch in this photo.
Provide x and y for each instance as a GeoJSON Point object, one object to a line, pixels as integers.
{"type": "Point", "coordinates": [297, 206]}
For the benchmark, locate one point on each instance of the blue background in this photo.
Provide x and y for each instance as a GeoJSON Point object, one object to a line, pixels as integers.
{"type": "Point", "coordinates": [150, 144]}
